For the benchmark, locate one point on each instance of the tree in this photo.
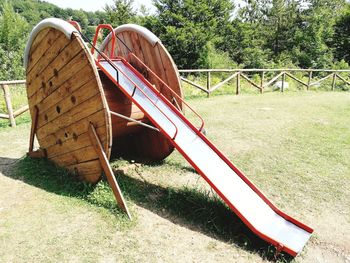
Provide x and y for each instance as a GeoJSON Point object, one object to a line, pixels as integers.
{"type": "Point", "coordinates": [186, 27]}
{"type": "Point", "coordinates": [341, 39]}
{"type": "Point", "coordinates": [13, 36]}
{"type": "Point", "coordinates": [120, 12]}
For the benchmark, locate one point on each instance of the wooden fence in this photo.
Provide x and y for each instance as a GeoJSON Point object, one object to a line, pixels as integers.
{"type": "Point", "coordinates": [239, 74]}
{"type": "Point", "coordinates": [11, 113]}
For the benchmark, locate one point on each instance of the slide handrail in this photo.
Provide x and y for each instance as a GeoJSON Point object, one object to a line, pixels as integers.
{"type": "Point", "coordinates": [170, 89]}
{"type": "Point", "coordinates": [98, 28]}
{"type": "Point", "coordinates": [137, 87]}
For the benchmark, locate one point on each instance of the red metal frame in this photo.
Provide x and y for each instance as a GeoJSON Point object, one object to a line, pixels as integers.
{"type": "Point", "coordinates": [214, 148]}
{"type": "Point", "coordinates": [171, 90]}
{"type": "Point", "coordinates": [226, 160]}
{"type": "Point", "coordinates": [98, 28]}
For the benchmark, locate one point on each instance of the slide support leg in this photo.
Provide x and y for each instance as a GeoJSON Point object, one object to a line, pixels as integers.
{"type": "Point", "coordinates": [107, 169]}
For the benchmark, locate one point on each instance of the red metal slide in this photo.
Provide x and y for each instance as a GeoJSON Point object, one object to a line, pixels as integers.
{"type": "Point", "coordinates": [237, 191]}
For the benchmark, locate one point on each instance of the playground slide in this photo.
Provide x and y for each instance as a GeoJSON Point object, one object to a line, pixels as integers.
{"type": "Point", "coordinates": [255, 210]}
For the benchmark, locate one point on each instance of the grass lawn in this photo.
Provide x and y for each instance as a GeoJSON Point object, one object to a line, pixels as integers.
{"type": "Point", "coordinates": [295, 147]}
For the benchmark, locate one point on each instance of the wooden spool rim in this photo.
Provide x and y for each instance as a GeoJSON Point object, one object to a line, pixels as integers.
{"type": "Point", "coordinates": [56, 23]}
{"type": "Point", "coordinates": [144, 32]}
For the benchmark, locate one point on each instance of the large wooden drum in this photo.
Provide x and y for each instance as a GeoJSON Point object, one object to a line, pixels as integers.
{"type": "Point", "coordinates": [69, 92]}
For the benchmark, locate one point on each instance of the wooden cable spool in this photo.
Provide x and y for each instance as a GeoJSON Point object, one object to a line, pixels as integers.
{"type": "Point", "coordinates": [67, 94]}
{"type": "Point", "coordinates": [130, 38]}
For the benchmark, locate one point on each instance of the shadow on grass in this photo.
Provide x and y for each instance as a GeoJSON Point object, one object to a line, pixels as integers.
{"type": "Point", "coordinates": [194, 209]}
{"type": "Point", "coordinates": [199, 211]}
{"type": "Point", "coordinates": [46, 175]}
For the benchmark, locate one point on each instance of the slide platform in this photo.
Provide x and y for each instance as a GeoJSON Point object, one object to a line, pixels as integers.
{"type": "Point", "coordinates": [236, 190]}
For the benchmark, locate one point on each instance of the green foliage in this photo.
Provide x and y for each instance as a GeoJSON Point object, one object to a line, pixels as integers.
{"type": "Point", "coordinates": [12, 39]}
{"type": "Point", "coordinates": [120, 12]}
{"type": "Point", "coordinates": [203, 34]}
{"type": "Point", "coordinates": [341, 40]}
{"type": "Point", "coordinates": [186, 27]}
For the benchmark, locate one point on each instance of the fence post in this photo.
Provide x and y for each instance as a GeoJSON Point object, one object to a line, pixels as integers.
{"type": "Point", "coordinates": [283, 80]}
{"type": "Point", "coordinates": [262, 81]}
{"type": "Point", "coordinates": [208, 83]}
{"type": "Point", "coordinates": [238, 83]}
{"type": "Point", "coordinates": [7, 96]}
{"type": "Point", "coordinates": [309, 80]}
{"type": "Point", "coordinates": [333, 81]}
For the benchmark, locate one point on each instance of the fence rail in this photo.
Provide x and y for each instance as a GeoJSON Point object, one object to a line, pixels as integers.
{"type": "Point", "coordinates": [11, 113]}
{"type": "Point", "coordinates": [239, 74]}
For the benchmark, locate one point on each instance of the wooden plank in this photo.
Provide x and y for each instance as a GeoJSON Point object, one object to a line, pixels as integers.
{"type": "Point", "coordinates": [67, 103]}
{"type": "Point", "coordinates": [320, 80]}
{"type": "Point", "coordinates": [309, 81]}
{"type": "Point", "coordinates": [43, 96]}
{"type": "Point", "coordinates": [39, 37]}
{"type": "Point", "coordinates": [250, 81]}
{"type": "Point", "coordinates": [88, 168]}
{"type": "Point", "coordinates": [122, 50]}
{"type": "Point", "coordinates": [344, 80]}
{"type": "Point", "coordinates": [194, 84]}
{"type": "Point", "coordinates": [149, 57]}
{"type": "Point", "coordinates": [108, 171]}
{"type": "Point", "coordinates": [7, 96]}
{"type": "Point", "coordinates": [273, 80]}
{"type": "Point", "coordinates": [84, 110]}
{"type": "Point", "coordinates": [162, 69]}
{"type": "Point", "coordinates": [73, 144]}
{"type": "Point", "coordinates": [33, 128]}
{"type": "Point", "coordinates": [223, 82]}
{"type": "Point", "coordinates": [334, 78]}
{"type": "Point", "coordinates": [136, 46]}
{"type": "Point", "coordinates": [170, 70]}
{"type": "Point", "coordinates": [45, 43]}
{"type": "Point", "coordinates": [4, 116]}
{"type": "Point", "coordinates": [128, 42]}
{"type": "Point", "coordinates": [66, 90]}
{"type": "Point", "coordinates": [238, 83]}
{"type": "Point", "coordinates": [48, 56]}
{"type": "Point", "coordinates": [20, 111]}
{"type": "Point", "coordinates": [75, 157]}
{"type": "Point", "coordinates": [67, 58]}
{"type": "Point", "coordinates": [71, 131]}
{"type": "Point", "coordinates": [12, 82]}
{"type": "Point", "coordinates": [296, 79]}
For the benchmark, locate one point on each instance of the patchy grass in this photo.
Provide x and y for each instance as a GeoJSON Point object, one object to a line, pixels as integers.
{"type": "Point", "coordinates": [293, 146]}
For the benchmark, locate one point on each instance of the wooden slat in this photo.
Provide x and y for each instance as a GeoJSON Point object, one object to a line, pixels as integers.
{"type": "Point", "coordinates": [39, 37]}
{"type": "Point", "coordinates": [107, 169]}
{"type": "Point", "coordinates": [86, 170]}
{"type": "Point", "coordinates": [73, 144]}
{"type": "Point", "coordinates": [171, 70]}
{"type": "Point", "coordinates": [73, 56]}
{"type": "Point", "coordinates": [82, 94]}
{"type": "Point", "coordinates": [65, 90]}
{"type": "Point", "coordinates": [136, 46]}
{"type": "Point", "coordinates": [78, 156]}
{"type": "Point", "coordinates": [48, 56]}
{"type": "Point", "coordinates": [43, 96]}
{"type": "Point", "coordinates": [85, 109]}
{"type": "Point", "coordinates": [72, 130]}
{"type": "Point", "coordinates": [45, 43]}
{"type": "Point", "coordinates": [149, 57]}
